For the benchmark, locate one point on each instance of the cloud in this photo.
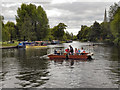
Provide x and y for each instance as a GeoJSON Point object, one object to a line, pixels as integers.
{"type": "Point", "coordinates": [71, 1]}
{"type": "Point", "coordinates": [0, 7]}
{"type": "Point", "coordinates": [62, 1]}
{"type": "Point", "coordinates": [73, 29]}
{"type": "Point", "coordinates": [119, 3]}
{"type": "Point", "coordinates": [77, 13]}
{"type": "Point", "coordinates": [8, 5]}
{"type": "Point", "coordinates": [24, 1]}
{"type": "Point", "coordinates": [53, 13]}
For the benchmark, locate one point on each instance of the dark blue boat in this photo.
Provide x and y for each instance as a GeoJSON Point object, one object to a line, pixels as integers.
{"type": "Point", "coordinates": [23, 44]}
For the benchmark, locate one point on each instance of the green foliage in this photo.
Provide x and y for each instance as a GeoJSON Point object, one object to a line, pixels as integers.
{"type": "Point", "coordinates": [115, 26]}
{"type": "Point", "coordinates": [68, 36]}
{"type": "Point", "coordinates": [32, 22]}
{"type": "Point", "coordinates": [8, 31]}
{"type": "Point", "coordinates": [49, 36]}
{"type": "Point", "coordinates": [58, 31]}
{"type": "Point", "coordinates": [106, 34]}
{"type": "Point", "coordinates": [92, 33]}
{"type": "Point", "coordinates": [4, 44]}
{"type": "Point", "coordinates": [112, 11]}
{"type": "Point", "coordinates": [95, 32]}
{"type": "Point", "coordinates": [5, 35]}
{"type": "Point", "coordinates": [74, 37]}
{"type": "Point", "coordinates": [117, 41]}
{"type": "Point", "coordinates": [80, 34]}
{"type": "Point", "coordinates": [0, 28]}
{"type": "Point", "coordinates": [65, 37]}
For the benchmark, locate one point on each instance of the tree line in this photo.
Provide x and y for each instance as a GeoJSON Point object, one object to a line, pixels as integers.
{"type": "Point", "coordinates": [108, 32]}
{"type": "Point", "coordinates": [32, 24]}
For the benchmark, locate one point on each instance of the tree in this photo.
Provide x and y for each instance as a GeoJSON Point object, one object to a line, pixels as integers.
{"type": "Point", "coordinates": [58, 31]}
{"type": "Point", "coordinates": [4, 33]}
{"type": "Point", "coordinates": [106, 34]}
{"type": "Point", "coordinates": [95, 33]}
{"type": "Point", "coordinates": [112, 11]}
{"type": "Point", "coordinates": [32, 22]}
{"type": "Point", "coordinates": [1, 24]}
{"type": "Point", "coordinates": [68, 35]}
{"type": "Point", "coordinates": [84, 33]}
{"type": "Point", "coordinates": [50, 37]}
{"type": "Point", "coordinates": [115, 27]}
{"type": "Point", "coordinates": [74, 37]}
{"type": "Point", "coordinates": [9, 31]}
{"type": "Point", "coordinates": [79, 35]}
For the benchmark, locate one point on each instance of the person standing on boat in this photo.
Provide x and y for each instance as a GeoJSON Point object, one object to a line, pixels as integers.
{"type": "Point", "coordinates": [55, 51]}
{"type": "Point", "coordinates": [71, 49]}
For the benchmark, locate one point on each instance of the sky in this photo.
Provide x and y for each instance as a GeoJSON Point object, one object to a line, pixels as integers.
{"type": "Point", "coordinates": [73, 13]}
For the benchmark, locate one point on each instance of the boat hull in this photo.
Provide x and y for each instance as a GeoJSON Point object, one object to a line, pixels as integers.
{"type": "Point", "coordinates": [77, 57]}
{"type": "Point", "coordinates": [36, 46]}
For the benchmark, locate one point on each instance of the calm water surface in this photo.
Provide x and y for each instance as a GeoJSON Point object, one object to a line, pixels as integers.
{"type": "Point", "coordinates": [24, 68]}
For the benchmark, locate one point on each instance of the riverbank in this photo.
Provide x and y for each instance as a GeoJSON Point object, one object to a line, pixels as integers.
{"type": "Point", "coordinates": [14, 44]}
{"type": "Point", "coordinates": [7, 45]}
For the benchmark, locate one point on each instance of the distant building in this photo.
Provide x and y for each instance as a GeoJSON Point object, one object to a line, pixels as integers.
{"type": "Point", "coordinates": [105, 16]}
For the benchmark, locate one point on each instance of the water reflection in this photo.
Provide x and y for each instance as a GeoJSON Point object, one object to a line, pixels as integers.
{"type": "Point", "coordinates": [111, 58]}
{"type": "Point", "coordinates": [69, 62]}
{"type": "Point", "coordinates": [115, 64]}
{"type": "Point", "coordinates": [77, 74]}
{"type": "Point", "coordinates": [24, 67]}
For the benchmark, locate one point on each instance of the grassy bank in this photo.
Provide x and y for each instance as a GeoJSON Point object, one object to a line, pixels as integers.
{"type": "Point", "coordinates": [7, 44]}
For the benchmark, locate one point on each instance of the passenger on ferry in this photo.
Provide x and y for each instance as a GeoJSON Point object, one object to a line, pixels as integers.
{"type": "Point", "coordinates": [71, 49]}
{"type": "Point", "coordinates": [58, 52]}
{"type": "Point", "coordinates": [82, 51]}
{"type": "Point", "coordinates": [61, 52]}
{"type": "Point", "coordinates": [67, 50]}
{"type": "Point", "coordinates": [76, 51]}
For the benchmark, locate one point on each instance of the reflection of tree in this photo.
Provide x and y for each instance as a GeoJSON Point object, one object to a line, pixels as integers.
{"type": "Point", "coordinates": [8, 63]}
{"type": "Point", "coordinates": [59, 61]}
{"type": "Point", "coordinates": [8, 53]}
{"type": "Point", "coordinates": [115, 65]}
{"type": "Point", "coordinates": [31, 58]}
{"type": "Point", "coordinates": [32, 76]}
{"type": "Point", "coordinates": [30, 67]}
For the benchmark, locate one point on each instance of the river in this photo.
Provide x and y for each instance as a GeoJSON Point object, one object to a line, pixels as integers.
{"type": "Point", "coordinates": [24, 68]}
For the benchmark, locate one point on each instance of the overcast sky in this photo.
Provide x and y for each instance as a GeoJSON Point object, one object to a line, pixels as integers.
{"type": "Point", "coordinates": [73, 13]}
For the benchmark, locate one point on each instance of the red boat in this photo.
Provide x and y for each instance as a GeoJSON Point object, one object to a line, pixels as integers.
{"type": "Point", "coordinates": [84, 56]}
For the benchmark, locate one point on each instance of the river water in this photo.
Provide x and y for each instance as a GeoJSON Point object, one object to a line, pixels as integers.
{"type": "Point", "coordinates": [24, 68]}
